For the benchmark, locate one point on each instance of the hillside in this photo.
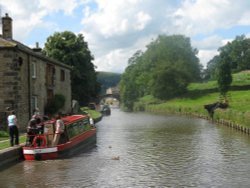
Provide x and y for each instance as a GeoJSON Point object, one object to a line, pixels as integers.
{"type": "Point", "coordinates": [108, 79]}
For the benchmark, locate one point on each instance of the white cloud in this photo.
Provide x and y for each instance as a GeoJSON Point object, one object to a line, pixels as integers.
{"type": "Point", "coordinates": [142, 20]}
{"type": "Point", "coordinates": [112, 61]}
{"type": "Point", "coordinates": [210, 42]}
{"type": "Point", "coordinates": [202, 16]}
{"type": "Point", "coordinates": [205, 56]}
{"type": "Point", "coordinates": [55, 5]}
{"type": "Point", "coordinates": [28, 15]}
{"type": "Point", "coordinates": [116, 29]}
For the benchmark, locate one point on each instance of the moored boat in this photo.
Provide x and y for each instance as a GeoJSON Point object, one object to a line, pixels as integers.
{"type": "Point", "coordinates": [79, 134]}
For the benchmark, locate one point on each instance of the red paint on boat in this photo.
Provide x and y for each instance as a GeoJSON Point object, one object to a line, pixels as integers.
{"type": "Point", "coordinates": [47, 152]}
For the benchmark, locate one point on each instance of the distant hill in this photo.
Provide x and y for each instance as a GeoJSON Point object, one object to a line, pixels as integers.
{"type": "Point", "coordinates": [107, 80]}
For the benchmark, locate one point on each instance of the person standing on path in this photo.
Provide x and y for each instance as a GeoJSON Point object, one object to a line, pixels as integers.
{"type": "Point", "coordinates": [13, 128]}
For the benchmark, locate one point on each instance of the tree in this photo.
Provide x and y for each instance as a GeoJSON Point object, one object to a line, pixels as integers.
{"type": "Point", "coordinates": [210, 72]}
{"type": "Point", "coordinates": [164, 69]}
{"type": "Point", "coordinates": [168, 83]}
{"type": "Point", "coordinates": [224, 74]}
{"type": "Point", "coordinates": [72, 50]}
{"type": "Point", "coordinates": [238, 51]}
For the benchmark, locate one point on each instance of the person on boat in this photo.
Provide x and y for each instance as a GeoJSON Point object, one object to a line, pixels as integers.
{"type": "Point", "coordinates": [39, 120]}
{"type": "Point", "coordinates": [13, 128]}
{"type": "Point", "coordinates": [59, 130]}
{"type": "Point", "coordinates": [32, 129]}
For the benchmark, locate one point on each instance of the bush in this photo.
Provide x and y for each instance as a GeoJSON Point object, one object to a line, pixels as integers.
{"type": "Point", "coordinates": [55, 105]}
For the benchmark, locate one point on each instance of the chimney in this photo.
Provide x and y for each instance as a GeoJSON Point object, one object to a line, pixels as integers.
{"type": "Point", "coordinates": [37, 48]}
{"type": "Point", "coordinates": [7, 27]}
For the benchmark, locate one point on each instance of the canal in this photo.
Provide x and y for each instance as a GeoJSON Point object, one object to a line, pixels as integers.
{"type": "Point", "coordinates": [145, 150]}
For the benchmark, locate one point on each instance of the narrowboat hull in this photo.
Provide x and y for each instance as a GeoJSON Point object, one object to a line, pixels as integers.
{"type": "Point", "coordinates": [79, 143]}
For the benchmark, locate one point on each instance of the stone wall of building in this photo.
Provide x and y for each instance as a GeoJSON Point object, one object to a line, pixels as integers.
{"type": "Point", "coordinates": [38, 83]}
{"type": "Point", "coordinates": [63, 87]}
{"type": "Point", "coordinates": [13, 85]}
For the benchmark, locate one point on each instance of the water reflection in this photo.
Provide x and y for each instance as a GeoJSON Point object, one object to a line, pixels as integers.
{"type": "Point", "coordinates": [153, 150]}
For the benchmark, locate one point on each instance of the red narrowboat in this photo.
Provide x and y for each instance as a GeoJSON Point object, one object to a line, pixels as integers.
{"type": "Point", "coordinates": [79, 134]}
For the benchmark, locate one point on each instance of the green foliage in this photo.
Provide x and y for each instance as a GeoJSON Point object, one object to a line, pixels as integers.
{"type": "Point", "coordinates": [238, 111]}
{"type": "Point", "coordinates": [55, 105]}
{"type": "Point", "coordinates": [239, 79]}
{"type": "Point", "coordinates": [169, 83]}
{"type": "Point", "coordinates": [3, 134]}
{"type": "Point", "coordinates": [128, 91]}
{"type": "Point", "coordinates": [72, 50]}
{"type": "Point", "coordinates": [238, 52]}
{"type": "Point", "coordinates": [92, 113]}
{"type": "Point", "coordinates": [164, 70]}
{"type": "Point", "coordinates": [224, 75]}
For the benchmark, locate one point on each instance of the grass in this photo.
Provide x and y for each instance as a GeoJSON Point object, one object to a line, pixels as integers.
{"type": "Point", "coordinates": [5, 142]}
{"type": "Point", "coordinates": [93, 113]}
{"type": "Point", "coordinates": [238, 111]}
{"type": "Point", "coordinates": [239, 79]}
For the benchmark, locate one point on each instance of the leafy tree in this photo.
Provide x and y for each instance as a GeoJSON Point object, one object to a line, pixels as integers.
{"type": "Point", "coordinates": [72, 50]}
{"type": "Point", "coordinates": [169, 63]}
{"type": "Point", "coordinates": [210, 72]}
{"type": "Point", "coordinates": [168, 83]}
{"type": "Point", "coordinates": [128, 88]}
{"type": "Point", "coordinates": [224, 74]}
{"type": "Point", "coordinates": [238, 51]}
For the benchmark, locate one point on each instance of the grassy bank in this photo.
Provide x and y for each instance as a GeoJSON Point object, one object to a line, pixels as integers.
{"type": "Point", "coordinates": [237, 113]}
{"type": "Point", "coordinates": [93, 113]}
{"type": "Point", "coordinates": [5, 142]}
{"type": "Point", "coordinates": [200, 94]}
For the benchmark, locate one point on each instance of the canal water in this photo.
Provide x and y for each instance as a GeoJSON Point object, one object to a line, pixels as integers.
{"type": "Point", "coordinates": [145, 150]}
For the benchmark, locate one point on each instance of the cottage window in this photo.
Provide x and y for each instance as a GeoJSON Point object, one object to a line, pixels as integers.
{"type": "Point", "coordinates": [34, 102]}
{"type": "Point", "coordinates": [62, 75]}
{"type": "Point", "coordinates": [33, 69]}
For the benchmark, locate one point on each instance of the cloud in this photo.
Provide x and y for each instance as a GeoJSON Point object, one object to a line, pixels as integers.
{"type": "Point", "coordinates": [202, 16]}
{"type": "Point", "coordinates": [115, 30]}
{"type": "Point", "coordinates": [29, 15]}
{"type": "Point", "coordinates": [123, 25]}
{"type": "Point", "coordinates": [205, 56]}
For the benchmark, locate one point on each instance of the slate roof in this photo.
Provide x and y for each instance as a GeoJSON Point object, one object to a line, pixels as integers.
{"type": "Point", "coordinates": [10, 43]}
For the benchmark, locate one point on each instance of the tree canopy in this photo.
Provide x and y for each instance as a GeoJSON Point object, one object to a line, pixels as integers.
{"type": "Point", "coordinates": [166, 67]}
{"type": "Point", "coordinates": [72, 50]}
{"type": "Point", "coordinates": [224, 74]}
{"type": "Point", "coordinates": [238, 53]}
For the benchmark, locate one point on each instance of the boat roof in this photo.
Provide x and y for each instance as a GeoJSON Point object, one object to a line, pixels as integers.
{"type": "Point", "coordinates": [70, 119]}
{"type": "Point", "coordinates": [73, 118]}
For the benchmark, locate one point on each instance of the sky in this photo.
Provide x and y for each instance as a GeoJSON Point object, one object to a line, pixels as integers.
{"type": "Point", "coordinates": [116, 29]}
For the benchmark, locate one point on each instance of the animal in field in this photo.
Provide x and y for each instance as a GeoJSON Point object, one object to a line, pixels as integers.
{"type": "Point", "coordinates": [212, 107]}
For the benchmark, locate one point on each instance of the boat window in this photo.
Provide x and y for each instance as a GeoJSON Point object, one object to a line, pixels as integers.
{"type": "Point", "coordinates": [77, 128]}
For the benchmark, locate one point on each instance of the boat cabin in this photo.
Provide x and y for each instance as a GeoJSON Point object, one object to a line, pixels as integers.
{"type": "Point", "coordinates": [74, 126]}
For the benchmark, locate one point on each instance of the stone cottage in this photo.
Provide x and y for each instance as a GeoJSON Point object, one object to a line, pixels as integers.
{"type": "Point", "coordinates": [28, 79]}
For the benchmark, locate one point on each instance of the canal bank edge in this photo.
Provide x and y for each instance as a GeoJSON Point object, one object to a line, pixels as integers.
{"type": "Point", "coordinates": [10, 156]}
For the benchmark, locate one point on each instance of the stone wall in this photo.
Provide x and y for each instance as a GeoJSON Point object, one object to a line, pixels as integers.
{"type": "Point", "coordinates": [64, 87]}
{"type": "Point", "coordinates": [13, 84]}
